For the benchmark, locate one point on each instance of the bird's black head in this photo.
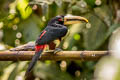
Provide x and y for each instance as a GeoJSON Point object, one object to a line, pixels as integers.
{"type": "Point", "coordinates": [66, 20]}
{"type": "Point", "coordinates": [57, 20]}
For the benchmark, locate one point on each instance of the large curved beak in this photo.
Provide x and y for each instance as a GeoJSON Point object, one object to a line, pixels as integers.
{"type": "Point", "coordinates": [74, 19]}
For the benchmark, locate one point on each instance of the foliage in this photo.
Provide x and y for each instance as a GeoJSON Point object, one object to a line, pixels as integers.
{"type": "Point", "coordinates": [21, 21]}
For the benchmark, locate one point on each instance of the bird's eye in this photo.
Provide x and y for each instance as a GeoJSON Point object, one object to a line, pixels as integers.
{"type": "Point", "coordinates": [60, 19]}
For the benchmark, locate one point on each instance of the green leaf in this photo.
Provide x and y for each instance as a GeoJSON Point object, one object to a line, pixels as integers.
{"type": "Point", "coordinates": [3, 65]}
{"type": "Point", "coordinates": [105, 14]}
{"type": "Point", "coordinates": [21, 5]}
{"type": "Point", "coordinates": [90, 2]}
{"type": "Point", "coordinates": [10, 40]}
{"type": "Point", "coordinates": [80, 7]}
{"type": "Point", "coordinates": [29, 30]}
{"type": "Point", "coordinates": [96, 35]}
{"type": "Point", "coordinates": [13, 73]}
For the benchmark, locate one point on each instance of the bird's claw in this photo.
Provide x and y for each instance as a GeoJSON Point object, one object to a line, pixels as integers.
{"type": "Point", "coordinates": [57, 50]}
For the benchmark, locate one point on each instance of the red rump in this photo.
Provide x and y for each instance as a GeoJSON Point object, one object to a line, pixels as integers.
{"type": "Point", "coordinates": [39, 47]}
{"type": "Point", "coordinates": [42, 34]}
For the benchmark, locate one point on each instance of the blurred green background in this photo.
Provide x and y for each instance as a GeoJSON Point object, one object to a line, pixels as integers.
{"type": "Point", "coordinates": [20, 24]}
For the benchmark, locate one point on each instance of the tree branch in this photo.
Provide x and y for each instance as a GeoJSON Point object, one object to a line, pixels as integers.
{"type": "Point", "coordinates": [63, 55]}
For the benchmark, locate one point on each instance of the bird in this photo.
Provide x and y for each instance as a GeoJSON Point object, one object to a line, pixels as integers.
{"type": "Point", "coordinates": [56, 29]}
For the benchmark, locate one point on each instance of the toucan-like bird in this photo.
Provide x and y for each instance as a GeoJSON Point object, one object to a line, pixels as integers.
{"type": "Point", "coordinates": [55, 30]}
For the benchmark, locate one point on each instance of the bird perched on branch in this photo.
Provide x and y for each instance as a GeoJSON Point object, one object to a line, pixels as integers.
{"type": "Point", "coordinates": [55, 30]}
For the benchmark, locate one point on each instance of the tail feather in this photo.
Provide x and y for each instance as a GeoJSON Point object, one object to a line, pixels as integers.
{"type": "Point", "coordinates": [33, 62]}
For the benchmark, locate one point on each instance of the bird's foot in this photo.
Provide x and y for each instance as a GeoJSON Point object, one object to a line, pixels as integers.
{"type": "Point", "coordinates": [57, 50]}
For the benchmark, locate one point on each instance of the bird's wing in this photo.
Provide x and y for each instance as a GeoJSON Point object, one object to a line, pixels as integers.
{"type": "Point", "coordinates": [51, 33]}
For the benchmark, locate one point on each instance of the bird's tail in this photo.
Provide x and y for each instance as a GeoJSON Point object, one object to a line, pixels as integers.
{"type": "Point", "coordinates": [33, 62]}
